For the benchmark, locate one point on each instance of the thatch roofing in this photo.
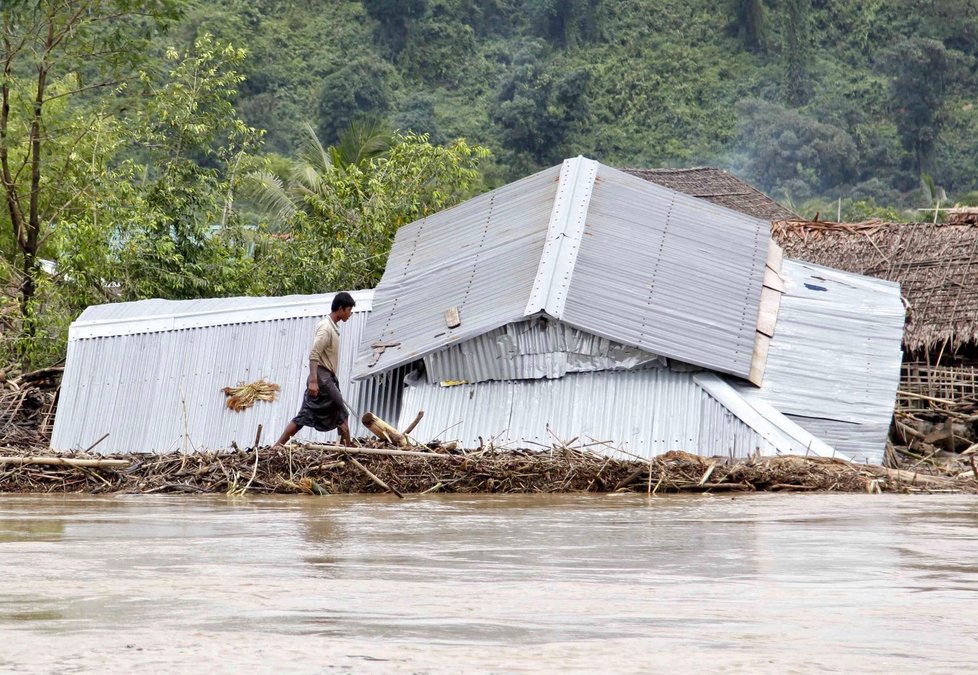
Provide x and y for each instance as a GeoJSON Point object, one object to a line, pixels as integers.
{"type": "Point", "coordinates": [719, 187]}
{"type": "Point", "coordinates": [936, 266]}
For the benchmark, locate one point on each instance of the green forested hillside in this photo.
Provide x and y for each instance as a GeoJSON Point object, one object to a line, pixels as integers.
{"type": "Point", "coordinates": [184, 149]}
{"type": "Point", "coordinates": [851, 99]}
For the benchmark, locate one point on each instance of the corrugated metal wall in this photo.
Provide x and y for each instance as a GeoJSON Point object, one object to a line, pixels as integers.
{"type": "Point", "coordinates": [646, 412]}
{"type": "Point", "coordinates": [533, 349]}
{"type": "Point", "coordinates": [834, 362]}
{"type": "Point", "coordinates": [161, 390]}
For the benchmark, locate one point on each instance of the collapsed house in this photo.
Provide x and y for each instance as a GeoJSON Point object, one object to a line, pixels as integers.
{"type": "Point", "coordinates": [578, 303]}
{"type": "Point", "coordinates": [586, 302]}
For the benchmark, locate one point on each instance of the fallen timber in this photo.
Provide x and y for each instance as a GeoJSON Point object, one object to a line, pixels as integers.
{"type": "Point", "coordinates": [376, 467]}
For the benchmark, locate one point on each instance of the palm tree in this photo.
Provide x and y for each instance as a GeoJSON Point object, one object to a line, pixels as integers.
{"type": "Point", "coordinates": [307, 187]}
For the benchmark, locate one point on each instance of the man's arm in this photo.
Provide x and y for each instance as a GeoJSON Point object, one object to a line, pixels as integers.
{"type": "Point", "coordinates": [312, 384]}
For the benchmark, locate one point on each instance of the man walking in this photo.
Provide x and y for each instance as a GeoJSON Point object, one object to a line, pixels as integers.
{"type": "Point", "coordinates": [322, 404]}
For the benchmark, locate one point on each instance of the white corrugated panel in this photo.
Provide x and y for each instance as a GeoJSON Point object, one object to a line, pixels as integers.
{"type": "Point", "coordinates": [161, 390]}
{"type": "Point", "coordinates": [533, 349]}
{"type": "Point", "coordinates": [669, 273]}
{"type": "Point", "coordinates": [479, 257]}
{"type": "Point", "coordinates": [833, 365]}
{"type": "Point", "coordinates": [645, 412]}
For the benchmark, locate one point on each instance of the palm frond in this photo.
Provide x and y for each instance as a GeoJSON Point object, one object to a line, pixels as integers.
{"type": "Point", "coordinates": [365, 139]}
{"type": "Point", "coordinates": [312, 151]}
{"type": "Point", "coordinates": [270, 196]}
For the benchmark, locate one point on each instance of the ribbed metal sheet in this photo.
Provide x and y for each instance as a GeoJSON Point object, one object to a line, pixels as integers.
{"type": "Point", "coordinates": [533, 349]}
{"type": "Point", "coordinates": [480, 257]}
{"type": "Point", "coordinates": [609, 253]}
{"type": "Point", "coordinates": [833, 365]}
{"type": "Point", "coordinates": [645, 412]}
{"type": "Point", "coordinates": [161, 390]}
{"type": "Point", "coordinates": [669, 273]}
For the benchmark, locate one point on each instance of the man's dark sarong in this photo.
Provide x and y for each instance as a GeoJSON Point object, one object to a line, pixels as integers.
{"type": "Point", "coordinates": [325, 412]}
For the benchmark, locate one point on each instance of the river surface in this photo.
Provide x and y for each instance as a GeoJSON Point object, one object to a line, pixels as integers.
{"type": "Point", "coordinates": [763, 583]}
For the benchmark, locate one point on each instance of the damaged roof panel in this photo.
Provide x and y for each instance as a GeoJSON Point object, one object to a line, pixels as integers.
{"type": "Point", "coordinates": [645, 412]}
{"type": "Point", "coordinates": [479, 259]}
{"type": "Point", "coordinates": [671, 274]}
{"type": "Point", "coordinates": [833, 364]}
{"type": "Point", "coordinates": [609, 253]}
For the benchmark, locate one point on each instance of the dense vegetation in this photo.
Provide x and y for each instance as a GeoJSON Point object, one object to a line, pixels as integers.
{"type": "Point", "coordinates": [161, 148]}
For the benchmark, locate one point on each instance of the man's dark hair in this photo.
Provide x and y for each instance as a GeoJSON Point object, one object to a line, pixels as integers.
{"type": "Point", "coordinates": [342, 301]}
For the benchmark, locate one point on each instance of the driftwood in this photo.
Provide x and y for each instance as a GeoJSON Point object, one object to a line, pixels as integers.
{"type": "Point", "coordinates": [383, 430]}
{"type": "Point", "coordinates": [388, 452]}
{"type": "Point", "coordinates": [413, 424]}
{"type": "Point", "coordinates": [373, 477]}
{"type": "Point", "coordinates": [66, 461]}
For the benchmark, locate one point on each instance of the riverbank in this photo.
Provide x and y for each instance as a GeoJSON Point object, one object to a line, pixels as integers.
{"type": "Point", "coordinates": [376, 468]}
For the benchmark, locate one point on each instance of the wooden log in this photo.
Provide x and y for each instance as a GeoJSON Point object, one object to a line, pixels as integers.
{"type": "Point", "coordinates": [383, 430]}
{"type": "Point", "coordinates": [413, 424]}
{"type": "Point", "coordinates": [373, 477]}
{"type": "Point", "coordinates": [65, 461]}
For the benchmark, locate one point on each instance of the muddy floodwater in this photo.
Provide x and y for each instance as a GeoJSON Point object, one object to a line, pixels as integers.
{"type": "Point", "coordinates": [764, 583]}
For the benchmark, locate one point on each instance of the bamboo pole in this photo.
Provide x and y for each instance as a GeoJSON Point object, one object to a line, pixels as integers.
{"type": "Point", "coordinates": [65, 461]}
{"type": "Point", "coordinates": [382, 429]}
{"type": "Point", "coordinates": [373, 477]}
{"type": "Point", "coordinates": [413, 424]}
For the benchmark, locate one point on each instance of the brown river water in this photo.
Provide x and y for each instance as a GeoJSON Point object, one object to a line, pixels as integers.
{"type": "Point", "coordinates": [763, 583]}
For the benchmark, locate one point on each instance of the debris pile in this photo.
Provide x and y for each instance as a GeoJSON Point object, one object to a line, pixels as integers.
{"type": "Point", "coordinates": [375, 467]}
{"type": "Point", "coordinates": [27, 406]}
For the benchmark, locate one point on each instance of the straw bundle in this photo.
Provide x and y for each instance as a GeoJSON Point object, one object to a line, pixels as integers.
{"type": "Point", "coordinates": [244, 396]}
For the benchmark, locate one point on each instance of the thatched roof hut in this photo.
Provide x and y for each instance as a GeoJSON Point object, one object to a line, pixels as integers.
{"type": "Point", "coordinates": [719, 187]}
{"type": "Point", "coordinates": [936, 266]}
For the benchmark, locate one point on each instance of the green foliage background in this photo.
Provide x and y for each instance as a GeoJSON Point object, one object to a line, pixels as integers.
{"type": "Point", "coordinates": [812, 101]}
{"type": "Point", "coordinates": [265, 147]}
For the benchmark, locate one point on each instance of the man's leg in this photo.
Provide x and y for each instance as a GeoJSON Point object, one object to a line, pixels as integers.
{"type": "Point", "coordinates": [344, 430]}
{"type": "Point", "coordinates": [331, 390]}
{"type": "Point", "coordinates": [291, 429]}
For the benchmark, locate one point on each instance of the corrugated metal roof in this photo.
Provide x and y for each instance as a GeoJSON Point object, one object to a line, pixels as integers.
{"type": "Point", "coordinates": [833, 364]}
{"type": "Point", "coordinates": [480, 257]}
{"type": "Point", "coordinates": [611, 254]}
{"type": "Point", "coordinates": [669, 273]}
{"type": "Point", "coordinates": [157, 389]}
{"type": "Point", "coordinates": [155, 315]}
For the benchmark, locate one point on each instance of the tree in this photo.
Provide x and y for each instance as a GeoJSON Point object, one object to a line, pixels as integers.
{"type": "Point", "coordinates": [566, 23]}
{"type": "Point", "coordinates": [45, 46]}
{"type": "Point", "coordinates": [183, 244]}
{"type": "Point", "coordinates": [796, 50]}
{"type": "Point", "coordinates": [750, 21]}
{"type": "Point", "coordinates": [924, 73]}
{"type": "Point", "coordinates": [394, 18]}
{"type": "Point", "coordinates": [784, 150]}
{"type": "Point", "coordinates": [341, 217]}
{"type": "Point", "coordinates": [539, 106]}
{"type": "Point", "coordinates": [359, 88]}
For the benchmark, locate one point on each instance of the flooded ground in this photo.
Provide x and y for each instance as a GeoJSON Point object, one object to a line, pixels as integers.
{"type": "Point", "coordinates": [773, 583]}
